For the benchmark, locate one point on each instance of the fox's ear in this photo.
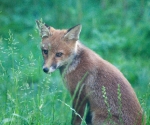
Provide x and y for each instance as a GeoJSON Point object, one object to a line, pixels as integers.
{"type": "Point", "coordinates": [73, 33]}
{"type": "Point", "coordinates": [43, 29]}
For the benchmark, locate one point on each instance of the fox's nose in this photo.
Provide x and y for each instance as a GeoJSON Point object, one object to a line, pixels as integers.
{"type": "Point", "coordinates": [45, 69]}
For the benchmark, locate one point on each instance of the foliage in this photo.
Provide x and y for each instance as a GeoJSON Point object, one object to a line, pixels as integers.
{"type": "Point", "coordinates": [119, 31]}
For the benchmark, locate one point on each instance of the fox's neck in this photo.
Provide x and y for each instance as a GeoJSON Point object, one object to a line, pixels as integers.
{"type": "Point", "coordinates": [72, 65]}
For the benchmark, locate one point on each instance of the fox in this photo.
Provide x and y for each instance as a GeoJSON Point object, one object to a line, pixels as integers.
{"type": "Point", "coordinates": [92, 81]}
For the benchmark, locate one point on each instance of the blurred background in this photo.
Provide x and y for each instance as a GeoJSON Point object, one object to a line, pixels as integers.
{"type": "Point", "coordinates": [119, 31]}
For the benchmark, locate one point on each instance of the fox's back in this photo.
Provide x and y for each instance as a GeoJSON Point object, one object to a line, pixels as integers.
{"type": "Point", "coordinates": [103, 81]}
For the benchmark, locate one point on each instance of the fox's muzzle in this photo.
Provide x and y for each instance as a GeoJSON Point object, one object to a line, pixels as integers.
{"type": "Point", "coordinates": [51, 69]}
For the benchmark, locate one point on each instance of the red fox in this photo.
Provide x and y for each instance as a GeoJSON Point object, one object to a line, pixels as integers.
{"type": "Point", "coordinates": [91, 80]}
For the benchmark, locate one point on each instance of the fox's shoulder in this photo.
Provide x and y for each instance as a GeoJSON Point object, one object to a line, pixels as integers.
{"type": "Point", "coordinates": [92, 61]}
{"type": "Point", "coordinates": [89, 56]}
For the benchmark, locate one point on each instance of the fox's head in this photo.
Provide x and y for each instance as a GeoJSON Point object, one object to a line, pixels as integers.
{"type": "Point", "coordinates": [58, 46]}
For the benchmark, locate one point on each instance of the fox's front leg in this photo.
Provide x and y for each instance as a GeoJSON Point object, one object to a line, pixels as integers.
{"type": "Point", "coordinates": [79, 107]}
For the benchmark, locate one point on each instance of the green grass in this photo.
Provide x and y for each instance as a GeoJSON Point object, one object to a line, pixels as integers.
{"type": "Point", "coordinates": [116, 31]}
{"type": "Point", "coordinates": [28, 96]}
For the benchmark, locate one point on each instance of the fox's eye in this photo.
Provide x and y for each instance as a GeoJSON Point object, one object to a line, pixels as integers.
{"type": "Point", "coordinates": [59, 54]}
{"type": "Point", "coordinates": [45, 52]}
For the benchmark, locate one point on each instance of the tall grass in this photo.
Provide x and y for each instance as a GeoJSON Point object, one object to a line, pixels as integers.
{"type": "Point", "coordinates": [27, 98]}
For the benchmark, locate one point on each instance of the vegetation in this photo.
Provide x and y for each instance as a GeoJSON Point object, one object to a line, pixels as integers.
{"type": "Point", "coordinates": [119, 31]}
